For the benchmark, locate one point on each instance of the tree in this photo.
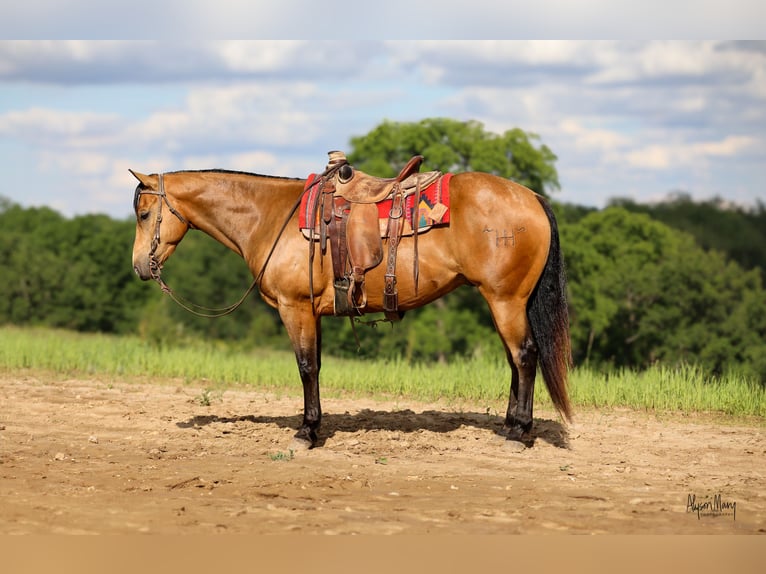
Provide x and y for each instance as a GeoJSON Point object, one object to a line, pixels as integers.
{"type": "Point", "coordinates": [451, 145]}
{"type": "Point", "coordinates": [32, 270]}
{"type": "Point", "coordinates": [738, 231]}
{"type": "Point", "coordinates": [447, 328]}
{"type": "Point", "coordinates": [69, 273]}
{"type": "Point", "coordinates": [205, 272]}
{"type": "Point", "coordinates": [642, 292]}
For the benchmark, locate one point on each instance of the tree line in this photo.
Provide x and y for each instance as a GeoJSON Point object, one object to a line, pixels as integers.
{"type": "Point", "coordinates": [673, 282]}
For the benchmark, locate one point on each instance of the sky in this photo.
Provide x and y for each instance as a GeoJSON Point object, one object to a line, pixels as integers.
{"type": "Point", "coordinates": [626, 118]}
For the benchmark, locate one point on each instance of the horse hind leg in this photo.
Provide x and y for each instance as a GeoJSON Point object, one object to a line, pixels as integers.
{"type": "Point", "coordinates": [521, 352]}
{"type": "Point", "coordinates": [518, 417]}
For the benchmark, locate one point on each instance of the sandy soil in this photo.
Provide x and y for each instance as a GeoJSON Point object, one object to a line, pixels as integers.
{"type": "Point", "coordinates": [86, 456]}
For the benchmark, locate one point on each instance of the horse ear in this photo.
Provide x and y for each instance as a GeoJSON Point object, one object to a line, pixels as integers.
{"type": "Point", "coordinates": [144, 179]}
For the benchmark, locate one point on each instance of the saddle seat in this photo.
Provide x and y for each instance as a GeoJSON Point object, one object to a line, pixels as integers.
{"type": "Point", "coordinates": [364, 188]}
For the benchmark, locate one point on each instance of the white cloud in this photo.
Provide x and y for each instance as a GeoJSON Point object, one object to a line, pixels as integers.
{"type": "Point", "coordinates": [601, 140]}
{"type": "Point", "coordinates": [493, 52]}
{"type": "Point", "coordinates": [263, 162]}
{"type": "Point", "coordinates": [615, 113]}
{"type": "Point", "coordinates": [656, 60]}
{"type": "Point", "coordinates": [238, 116]}
{"type": "Point", "coordinates": [41, 124]}
{"type": "Point", "coordinates": [67, 62]}
{"type": "Point", "coordinates": [257, 56]}
{"type": "Point", "coordinates": [666, 156]}
{"type": "Point", "coordinates": [71, 142]}
{"type": "Point", "coordinates": [728, 147]}
{"type": "Point", "coordinates": [77, 164]}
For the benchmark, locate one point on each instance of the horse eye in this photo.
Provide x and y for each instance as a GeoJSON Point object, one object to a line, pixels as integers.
{"type": "Point", "coordinates": [144, 215]}
{"type": "Point", "coordinates": [345, 173]}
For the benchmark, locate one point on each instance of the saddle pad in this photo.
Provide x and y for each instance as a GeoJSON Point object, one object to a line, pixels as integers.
{"type": "Point", "coordinates": [433, 208]}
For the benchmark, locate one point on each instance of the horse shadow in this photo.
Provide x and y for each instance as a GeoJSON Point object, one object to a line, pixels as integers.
{"type": "Point", "coordinates": [406, 421]}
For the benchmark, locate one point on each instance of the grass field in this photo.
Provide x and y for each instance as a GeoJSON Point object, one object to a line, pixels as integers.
{"type": "Point", "coordinates": [215, 366]}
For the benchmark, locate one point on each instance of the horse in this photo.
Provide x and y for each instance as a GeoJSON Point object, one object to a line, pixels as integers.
{"type": "Point", "coordinates": [501, 238]}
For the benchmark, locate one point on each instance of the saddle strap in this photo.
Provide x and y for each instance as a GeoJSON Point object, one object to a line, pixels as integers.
{"type": "Point", "coordinates": [311, 216]}
{"type": "Point", "coordinates": [395, 227]}
{"type": "Point", "coordinates": [337, 230]}
{"type": "Point", "coordinates": [326, 192]}
{"type": "Point", "coordinates": [415, 226]}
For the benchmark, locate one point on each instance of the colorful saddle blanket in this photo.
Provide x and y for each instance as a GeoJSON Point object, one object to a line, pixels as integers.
{"type": "Point", "coordinates": [433, 209]}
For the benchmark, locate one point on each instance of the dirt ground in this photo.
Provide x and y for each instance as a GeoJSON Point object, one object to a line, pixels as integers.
{"type": "Point", "coordinates": [88, 456]}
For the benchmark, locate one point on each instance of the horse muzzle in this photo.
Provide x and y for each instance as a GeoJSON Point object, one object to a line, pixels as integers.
{"type": "Point", "coordinates": [143, 271]}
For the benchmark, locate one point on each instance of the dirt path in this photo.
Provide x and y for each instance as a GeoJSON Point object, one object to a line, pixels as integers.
{"type": "Point", "coordinates": [83, 456]}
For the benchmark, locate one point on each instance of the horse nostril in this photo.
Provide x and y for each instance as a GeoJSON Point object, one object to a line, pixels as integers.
{"type": "Point", "coordinates": [141, 276]}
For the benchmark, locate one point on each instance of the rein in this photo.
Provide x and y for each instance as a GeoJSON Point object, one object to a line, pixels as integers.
{"type": "Point", "coordinates": [156, 269]}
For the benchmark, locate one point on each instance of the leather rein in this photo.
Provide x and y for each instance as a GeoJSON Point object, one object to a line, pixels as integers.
{"type": "Point", "coordinates": [155, 268]}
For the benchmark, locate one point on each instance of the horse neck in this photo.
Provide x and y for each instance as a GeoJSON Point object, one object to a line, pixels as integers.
{"type": "Point", "coordinates": [234, 208]}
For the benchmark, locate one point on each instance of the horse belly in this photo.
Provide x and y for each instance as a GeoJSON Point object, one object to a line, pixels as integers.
{"type": "Point", "coordinates": [437, 271]}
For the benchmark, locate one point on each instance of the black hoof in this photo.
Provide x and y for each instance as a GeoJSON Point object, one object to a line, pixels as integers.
{"type": "Point", "coordinates": [305, 438]}
{"type": "Point", "coordinates": [519, 433]}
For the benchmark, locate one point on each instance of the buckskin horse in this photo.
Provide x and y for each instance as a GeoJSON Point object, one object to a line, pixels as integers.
{"type": "Point", "coordinates": [501, 238]}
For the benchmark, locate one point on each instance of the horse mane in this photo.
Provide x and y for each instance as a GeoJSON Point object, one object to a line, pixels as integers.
{"type": "Point", "coordinates": [235, 172]}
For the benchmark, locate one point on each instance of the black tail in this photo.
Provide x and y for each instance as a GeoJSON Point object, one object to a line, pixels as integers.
{"type": "Point", "coordinates": [549, 320]}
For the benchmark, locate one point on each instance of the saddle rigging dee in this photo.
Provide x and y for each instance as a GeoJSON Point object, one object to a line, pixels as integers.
{"type": "Point", "coordinates": [344, 210]}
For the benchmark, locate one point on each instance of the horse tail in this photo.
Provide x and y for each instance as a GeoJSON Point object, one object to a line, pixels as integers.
{"type": "Point", "coordinates": [548, 315]}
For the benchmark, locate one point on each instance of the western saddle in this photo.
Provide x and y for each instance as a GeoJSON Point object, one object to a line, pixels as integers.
{"type": "Point", "coordinates": [348, 217]}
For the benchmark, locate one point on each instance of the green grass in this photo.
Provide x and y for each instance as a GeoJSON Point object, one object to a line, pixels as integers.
{"type": "Point", "coordinates": [688, 389]}
{"type": "Point", "coordinates": [211, 365]}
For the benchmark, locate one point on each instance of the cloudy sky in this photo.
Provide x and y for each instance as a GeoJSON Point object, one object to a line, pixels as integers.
{"type": "Point", "coordinates": [629, 118]}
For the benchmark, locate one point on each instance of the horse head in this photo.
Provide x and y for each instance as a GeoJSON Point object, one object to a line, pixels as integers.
{"type": "Point", "coordinates": [156, 234]}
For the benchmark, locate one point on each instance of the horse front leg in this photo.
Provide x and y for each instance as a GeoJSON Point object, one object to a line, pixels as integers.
{"type": "Point", "coordinates": [304, 330]}
{"type": "Point", "coordinates": [308, 433]}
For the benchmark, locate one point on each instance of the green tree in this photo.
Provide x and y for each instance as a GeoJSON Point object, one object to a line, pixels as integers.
{"type": "Point", "coordinates": [738, 231]}
{"type": "Point", "coordinates": [206, 273]}
{"type": "Point", "coordinates": [99, 292]}
{"type": "Point", "coordinates": [445, 329]}
{"type": "Point", "coordinates": [452, 145]}
{"type": "Point", "coordinates": [69, 273]}
{"type": "Point", "coordinates": [30, 240]}
{"type": "Point", "coordinates": [642, 292]}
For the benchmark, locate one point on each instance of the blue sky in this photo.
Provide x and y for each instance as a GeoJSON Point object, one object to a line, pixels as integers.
{"type": "Point", "coordinates": [628, 118]}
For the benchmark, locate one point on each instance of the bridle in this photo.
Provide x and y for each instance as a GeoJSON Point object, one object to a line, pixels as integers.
{"type": "Point", "coordinates": [154, 265]}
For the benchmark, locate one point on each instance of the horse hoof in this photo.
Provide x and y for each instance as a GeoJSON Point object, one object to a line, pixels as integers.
{"type": "Point", "coordinates": [517, 435]}
{"type": "Point", "coordinates": [304, 439]}
{"type": "Point", "coordinates": [300, 444]}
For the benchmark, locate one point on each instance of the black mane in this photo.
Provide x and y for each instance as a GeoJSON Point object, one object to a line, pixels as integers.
{"type": "Point", "coordinates": [235, 172]}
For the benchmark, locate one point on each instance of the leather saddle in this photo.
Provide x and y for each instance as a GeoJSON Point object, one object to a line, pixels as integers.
{"type": "Point", "coordinates": [350, 221]}
{"type": "Point", "coordinates": [359, 187]}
